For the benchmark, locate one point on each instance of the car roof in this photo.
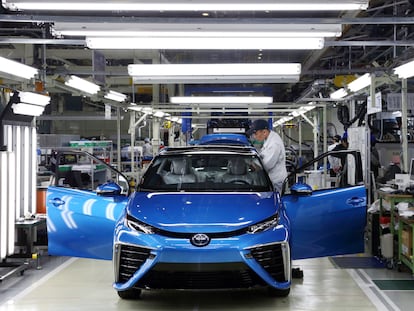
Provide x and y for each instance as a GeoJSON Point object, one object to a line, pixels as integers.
{"type": "Point", "coordinates": [224, 139]}
{"type": "Point", "coordinates": [216, 148]}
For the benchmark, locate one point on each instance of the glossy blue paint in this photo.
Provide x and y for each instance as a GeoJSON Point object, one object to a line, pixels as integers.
{"type": "Point", "coordinates": [81, 223]}
{"type": "Point", "coordinates": [301, 188]}
{"type": "Point", "coordinates": [225, 139]}
{"type": "Point", "coordinates": [170, 250]}
{"type": "Point", "coordinates": [109, 188]}
{"type": "Point", "coordinates": [202, 212]}
{"type": "Point", "coordinates": [326, 222]}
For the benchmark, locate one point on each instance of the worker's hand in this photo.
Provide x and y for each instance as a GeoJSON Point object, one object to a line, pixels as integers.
{"type": "Point", "coordinates": [337, 169]}
{"type": "Point", "coordinates": [253, 167]}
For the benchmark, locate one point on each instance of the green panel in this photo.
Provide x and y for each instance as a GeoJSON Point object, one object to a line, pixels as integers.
{"type": "Point", "coordinates": [395, 284]}
{"type": "Point", "coordinates": [65, 168]}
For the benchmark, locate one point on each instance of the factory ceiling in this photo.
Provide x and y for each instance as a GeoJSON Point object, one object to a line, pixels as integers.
{"type": "Point", "coordinates": [374, 40]}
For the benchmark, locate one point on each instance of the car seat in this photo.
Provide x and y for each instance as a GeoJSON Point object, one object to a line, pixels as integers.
{"type": "Point", "coordinates": [180, 172]}
{"type": "Point", "coordinates": [237, 172]}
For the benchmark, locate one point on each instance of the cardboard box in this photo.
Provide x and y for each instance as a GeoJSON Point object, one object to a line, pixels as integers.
{"type": "Point", "coordinates": [407, 242]}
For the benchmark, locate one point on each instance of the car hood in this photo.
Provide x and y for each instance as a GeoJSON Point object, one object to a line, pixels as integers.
{"type": "Point", "coordinates": [202, 212]}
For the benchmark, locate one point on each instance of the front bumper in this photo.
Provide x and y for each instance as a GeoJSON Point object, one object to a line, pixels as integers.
{"type": "Point", "coordinates": [248, 260]}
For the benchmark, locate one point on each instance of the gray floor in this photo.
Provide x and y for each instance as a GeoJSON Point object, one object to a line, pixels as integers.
{"type": "Point", "coordinates": [84, 284]}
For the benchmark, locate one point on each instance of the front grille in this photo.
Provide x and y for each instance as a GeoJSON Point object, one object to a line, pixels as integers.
{"type": "Point", "coordinates": [200, 276]}
{"type": "Point", "coordinates": [270, 257]}
{"type": "Point", "coordinates": [130, 260]}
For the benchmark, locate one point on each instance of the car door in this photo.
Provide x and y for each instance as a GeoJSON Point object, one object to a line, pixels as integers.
{"type": "Point", "coordinates": [80, 221]}
{"type": "Point", "coordinates": [327, 222]}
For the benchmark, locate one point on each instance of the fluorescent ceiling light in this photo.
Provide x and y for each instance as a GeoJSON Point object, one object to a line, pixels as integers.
{"type": "Point", "coordinates": [405, 71]}
{"type": "Point", "coordinates": [115, 96]}
{"type": "Point", "coordinates": [360, 83]}
{"type": "Point", "coordinates": [147, 110]}
{"type": "Point", "coordinates": [207, 43]}
{"type": "Point", "coordinates": [188, 5]}
{"type": "Point", "coordinates": [339, 94]}
{"type": "Point", "coordinates": [17, 69]}
{"type": "Point", "coordinates": [212, 73]}
{"type": "Point", "coordinates": [27, 109]}
{"type": "Point", "coordinates": [174, 119]}
{"type": "Point", "coordinates": [221, 99]}
{"type": "Point", "coordinates": [82, 85]}
{"type": "Point", "coordinates": [159, 114]}
{"type": "Point", "coordinates": [202, 30]}
{"type": "Point", "coordinates": [109, 34]}
{"type": "Point", "coordinates": [281, 121]}
{"type": "Point", "coordinates": [302, 110]}
{"type": "Point", "coordinates": [31, 104]}
{"type": "Point", "coordinates": [34, 98]}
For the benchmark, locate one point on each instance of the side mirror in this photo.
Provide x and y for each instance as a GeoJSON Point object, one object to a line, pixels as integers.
{"type": "Point", "coordinates": [301, 189]}
{"type": "Point", "coordinates": [109, 189]}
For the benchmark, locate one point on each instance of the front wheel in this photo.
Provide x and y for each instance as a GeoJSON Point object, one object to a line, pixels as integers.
{"type": "Point", "coordinates": [130, 294]}
{"type": "Point", "coordinates": [275, 292]}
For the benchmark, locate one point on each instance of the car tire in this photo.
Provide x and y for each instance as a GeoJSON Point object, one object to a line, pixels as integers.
{"type": "Point", "coordinates": [130, 294]}
{"type": "Point", "coordinates": [274, 292]}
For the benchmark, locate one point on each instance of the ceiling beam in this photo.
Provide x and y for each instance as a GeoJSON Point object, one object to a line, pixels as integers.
{"type": "Point", "coordinates": [126, 19]}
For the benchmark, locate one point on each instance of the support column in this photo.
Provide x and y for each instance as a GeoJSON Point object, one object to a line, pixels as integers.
{"type": "Point", "coordinates": [404, 130]}
{"type": "Point", "coordinates": [156, 125]}
{"type": "Point", "coordinates": [315, 138]}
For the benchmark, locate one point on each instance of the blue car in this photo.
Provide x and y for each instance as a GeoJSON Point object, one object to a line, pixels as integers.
{"type": "Point", "coordinates": [201, 217]}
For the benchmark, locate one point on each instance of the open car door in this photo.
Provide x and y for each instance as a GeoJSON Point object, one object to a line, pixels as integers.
{"type": "Point", "coordinates": [83, 204]}
{"type": "Point", "coordinates": [331, 219]}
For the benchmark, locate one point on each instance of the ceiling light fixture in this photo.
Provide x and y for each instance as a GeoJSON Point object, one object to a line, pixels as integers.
{"type": "Point", "coordinates": [213, 73]}
{"type": "Point", "coordinates": [27, 109]}
{"type": "Point", "coordinates": [302, 110]}
{"type": "Point", "coordinates": [338, 94]}
{"type": "Point", "coordinates": [34, 98]}
{"type": "Point", "coordinates": [205, 43]}
{"type": "Point", "coordinates": [159, 114]}
{"type": "Point", "coordinates": [82, 85]}
{"type": "Point", "coordinates": [187, 5]}
{"type": "Point", "coordinates": [360, 83]}
{"type": "Point", "coordinates": [405, 71]}
{"type": "Point", "coordinates": [115, 96]}
{"type": "Point", "coordinates": [17, 69]}
{"type": "Point", "coordinates": [30, 104]}
{"type": "Point", "coordinates": [202, 30]}
{"type": "Point", "coordinates": [282, 120]}
{"type": "Point", "coordinates": [221, 100]}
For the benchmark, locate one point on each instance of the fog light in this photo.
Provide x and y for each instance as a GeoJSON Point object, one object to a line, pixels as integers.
{"type": "Point", "coordinates": [248, 256]}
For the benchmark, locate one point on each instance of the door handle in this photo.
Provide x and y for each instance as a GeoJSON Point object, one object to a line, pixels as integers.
{"type": "Point", "coordinates": [57, 202]}
{"type": "Point", "coordinates": [355, 201]}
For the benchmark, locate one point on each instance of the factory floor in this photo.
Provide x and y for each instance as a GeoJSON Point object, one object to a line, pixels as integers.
{"type": "Point", "coordinates": [58, 283]}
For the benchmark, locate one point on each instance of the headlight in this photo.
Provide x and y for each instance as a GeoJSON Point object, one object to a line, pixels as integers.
{"type": "Point", "coordinates": [264, 225]}
{"type": "Point", "coordinates": [137, 225]}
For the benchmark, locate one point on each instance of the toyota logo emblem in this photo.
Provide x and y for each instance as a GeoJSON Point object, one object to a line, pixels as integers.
{"type": "Point", "coordinates": [200, 239]}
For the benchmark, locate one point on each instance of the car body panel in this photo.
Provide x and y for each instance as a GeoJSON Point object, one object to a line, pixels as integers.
{"type": "Point", "coordinates": [225, 139]}
{"type": "Point", "coordinates": [81, 223]}
{"type": "Point", "coordinates": [202, 212]}
{"type": "Point", "coordinates": [230, 250]}
{"type": "Point", "coordinates": [327, 222]}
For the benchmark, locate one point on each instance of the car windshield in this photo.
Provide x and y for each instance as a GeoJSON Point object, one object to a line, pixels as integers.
{"type": "Point", "coordinates": [206, 172]}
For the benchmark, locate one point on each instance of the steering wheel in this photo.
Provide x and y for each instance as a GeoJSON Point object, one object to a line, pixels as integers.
{"type": "Point", "coordinates": [239, 181]}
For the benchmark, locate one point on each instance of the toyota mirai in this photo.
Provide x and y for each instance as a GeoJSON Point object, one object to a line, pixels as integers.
{"type": "Point", "coordinates": [200, 217]}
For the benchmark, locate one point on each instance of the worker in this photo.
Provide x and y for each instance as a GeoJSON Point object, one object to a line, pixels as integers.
{"type": "Point", "coordinates": [147, 150]}
{"type": "Point", "coordinates": [272, 153]}
{"type": "Point", "coordinates": [334, 162]}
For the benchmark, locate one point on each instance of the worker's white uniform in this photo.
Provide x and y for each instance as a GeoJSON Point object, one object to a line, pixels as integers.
{"type": "Point", "coordinates": [274, 159]}
{"type": "Point", "coordinates": [334, 162]}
